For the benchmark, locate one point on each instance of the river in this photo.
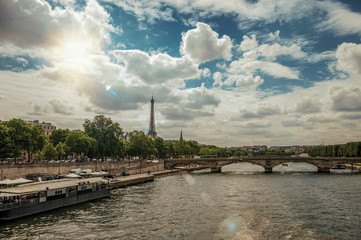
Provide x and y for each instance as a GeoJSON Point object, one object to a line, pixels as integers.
{"type": "Point", "coordinates": [242, 202]}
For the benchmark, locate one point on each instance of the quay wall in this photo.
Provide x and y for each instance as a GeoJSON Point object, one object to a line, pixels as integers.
{"type": "Point", "coordinates": [13, 171]}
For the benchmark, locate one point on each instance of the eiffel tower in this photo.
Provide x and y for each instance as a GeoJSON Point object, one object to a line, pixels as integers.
{"type": "Point", "coordinates": [152, 131]}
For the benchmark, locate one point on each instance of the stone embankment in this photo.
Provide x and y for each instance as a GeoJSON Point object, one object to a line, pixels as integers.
{"type": "Point", "coordinates": [13, 171]}
{"type": "Point", "coordinates": [125, 181]}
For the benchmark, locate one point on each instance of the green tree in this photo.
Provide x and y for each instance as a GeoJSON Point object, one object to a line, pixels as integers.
{"type": "Point", "coordinates": [160, 147]}
{"type": "Point", "coordinates": [7, 146]}
{"type": "Point", "coordinates": [58, 135]}
{"type": "Point", "coordinates": [106, 133]}
{"type": "Point", "coordinates": [140, 144]}
{"type": "Point", "coordinates": [79, 142]}
{"type": "Point", "coordinates": [37, 141]}
{"type": "Point", "coordinates": [50, 151]}
{"type": "Point", "coordinates": [20, 134]}
{"type": "Point", "coordinates": [61, 149]}
{"type": "Point", "coordinates": [169, 146]}
{"type": "Point", "coordinates": [26, 137]}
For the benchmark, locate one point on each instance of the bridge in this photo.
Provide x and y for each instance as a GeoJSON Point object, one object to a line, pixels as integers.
{"type": "Point", "coordinates": [323, 164]}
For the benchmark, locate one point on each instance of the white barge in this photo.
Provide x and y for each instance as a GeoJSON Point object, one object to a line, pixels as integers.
{"type": "Point", "coordinates": [39, 197]}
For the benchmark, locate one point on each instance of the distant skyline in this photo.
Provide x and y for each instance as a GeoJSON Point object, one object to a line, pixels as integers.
{"type": "Point", "coordinates": [229, 73]}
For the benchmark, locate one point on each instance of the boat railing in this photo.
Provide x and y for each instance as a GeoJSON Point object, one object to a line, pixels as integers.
{"type": "Point", "coordinates": [19, 204]}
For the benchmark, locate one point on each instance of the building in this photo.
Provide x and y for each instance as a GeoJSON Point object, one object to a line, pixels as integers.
{"type": "Point", "coordinates": [152, 131]}
{"type": "Point", "coordinates": [48, 127]}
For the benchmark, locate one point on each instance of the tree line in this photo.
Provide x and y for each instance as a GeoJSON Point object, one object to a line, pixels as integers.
{"type": "Point", "coordinates": [350, 149]}
{"type": "Point", "coordinates": [101, 138]}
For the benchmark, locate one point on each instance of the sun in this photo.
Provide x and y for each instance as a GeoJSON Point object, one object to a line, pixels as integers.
{"type": "Point", "coordinates": [73, 51]}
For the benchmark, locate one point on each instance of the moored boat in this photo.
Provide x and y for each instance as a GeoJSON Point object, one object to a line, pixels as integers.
{"type": "Point", "coordinates": [39, 197]}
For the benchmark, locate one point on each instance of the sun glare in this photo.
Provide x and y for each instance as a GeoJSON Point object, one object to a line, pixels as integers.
{"type": "Point", "coordinates": [73, 51]}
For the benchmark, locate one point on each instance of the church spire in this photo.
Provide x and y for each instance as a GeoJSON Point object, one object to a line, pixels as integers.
{"type": "Point", "coordinates": [181, 136]}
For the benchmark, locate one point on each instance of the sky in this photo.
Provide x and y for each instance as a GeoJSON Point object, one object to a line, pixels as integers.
{"type": "Point", "coordinates": [229, 73]}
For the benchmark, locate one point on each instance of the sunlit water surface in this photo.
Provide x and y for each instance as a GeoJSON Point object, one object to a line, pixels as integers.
{"type": "Point", "coordinates": [240, 203]}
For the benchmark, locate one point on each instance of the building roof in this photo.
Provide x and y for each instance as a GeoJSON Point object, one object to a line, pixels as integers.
{"type": "Point", "coordinates": [47, 185]}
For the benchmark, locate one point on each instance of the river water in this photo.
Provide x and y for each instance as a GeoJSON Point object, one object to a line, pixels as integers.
{"type": "Point", "coordinates": [242, 202]}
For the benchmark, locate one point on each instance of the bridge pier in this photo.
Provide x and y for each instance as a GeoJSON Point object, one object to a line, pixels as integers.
{"type": "Point", "coordinates": [216, 169]}
{"type": "Point", "coordinates": [323, 169]}
{"type": "Point", "coordinates": [268, 170]}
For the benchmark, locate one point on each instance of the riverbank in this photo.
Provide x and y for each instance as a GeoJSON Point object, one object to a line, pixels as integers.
{"type": "Point", "coordinates": [355, 166]}
{"type": "Point", "coordinates": [125, 181]}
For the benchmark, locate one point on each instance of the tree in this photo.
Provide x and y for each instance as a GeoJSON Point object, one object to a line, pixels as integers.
{"type": "Point", "coordinates": [20, 134]}
{"type": "Point", "coordinates": [160, 147]}
{"type": "Point", "coordinates": [37, 141]}
{"type": "Point", "coordinates": [79, 142]}
{"type": "Point", "coordinates": [106, 133]}
{"type": "Point", "coordinates": [61, 149]}
{"type": "Point", "coordinates": [26, 137]}
{"type": "Point", "coordinates": [50, 151]}
{"type": "Point", "coordinates": [58, 135]}
{"type": "Point", "coordinates": [140, 144]}
{"type": "Point", "coordinates": [7, 146]}
{"type": "Point", "coordinates": [169, 146]}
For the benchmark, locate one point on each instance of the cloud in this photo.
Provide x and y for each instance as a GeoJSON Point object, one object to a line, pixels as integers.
{"type": "Point", "coordinates": [352, 116]}
{"type": "Point", "coordinates": [180, 114]}
{"type": "Point", "coordinates": [262, 111]}
{"type": "Point", "coordinates": [156, 69]}
{"type": "Point", "coordinates": [349, 58]}
{"type": "Point", "coordinates": [202, 44]}
{"type": "Point", "coordinates": [59, 107]}
{"type": "Point", "coordinates": [346, 99]}
{"type": "Point", "coordinates": [245, 65]}
{"type": "Point", "coordinates": [257, 124]}
{"type": "Point", "coordinates": [261, 58]}
{"type": "Point", "coordinates": [321, 119]}
{"type": "Point", "coordinates": [243, 80]}
{"type": "Point", "coordinates": [37, 111]}
{"type": "Point", "coordinates": [248, 43]}
{"type": "Point", "coordinates": [252, 50]}
{"type": "Point", "coordinates": [341, 20]}
{"type": "Point", "coordinates": [200, 97]}
{"type": "Point", "coordinates": [2, 96]}
{"type": "Point", "coordinates": [275, 50]}
{"type": "Point", "coordinates": [307, 105]}
{"type": "Point", "coordinates": [206, 72]}
{"type": "Point", "coordinates": [22, 61]}
{"type": "Point", "coordinates": [217, 76]}
{"type": "Point", "coordinates": [293, 123]}
{"type": "Point", "coordinates": [28, 26]}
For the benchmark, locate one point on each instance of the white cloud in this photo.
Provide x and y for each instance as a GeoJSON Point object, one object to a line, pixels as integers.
{"type": "Point", "coordinates": [202, 44]}
{"type": "Point", "coordinates": [27, 26]}
{"type": "Point", "coordinates": [261, 111]}
{"type": "Point", "coordinates": [199, 97]}
{"type": "Point", "coordinates": [308, 105]}
{"type": "Point", "coordinates": [293, 123]}
{"type": "Point", "coordinates": [341, 20]}
{"type": "Point", "coordinates": [349, 58]}
{"type": "Point", "coordinates": [217, 76]}
{"type": "Point", "coordinates": [37, 111]}
{"type": "Point", "coordinates": [275, 50]}
{"type": "Point", "coordinates": [156, 69]}
{"type": "Point", "coordinates": [244, 65]}
{"type": "Point", "coordinates": [243, 80]}
{"type": "Point", "coordinates": [346, 99]}
{"type": "Point", "coordinates": [22, 61]}
{"type": "Point", "coordinates": [248, 44]}
{"type": "Point", "coordinates": [60, 107]}
{"type": "Point", "coordinates": [206, 72]}
{"type": "Point", "coordinates": [257, 124]}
